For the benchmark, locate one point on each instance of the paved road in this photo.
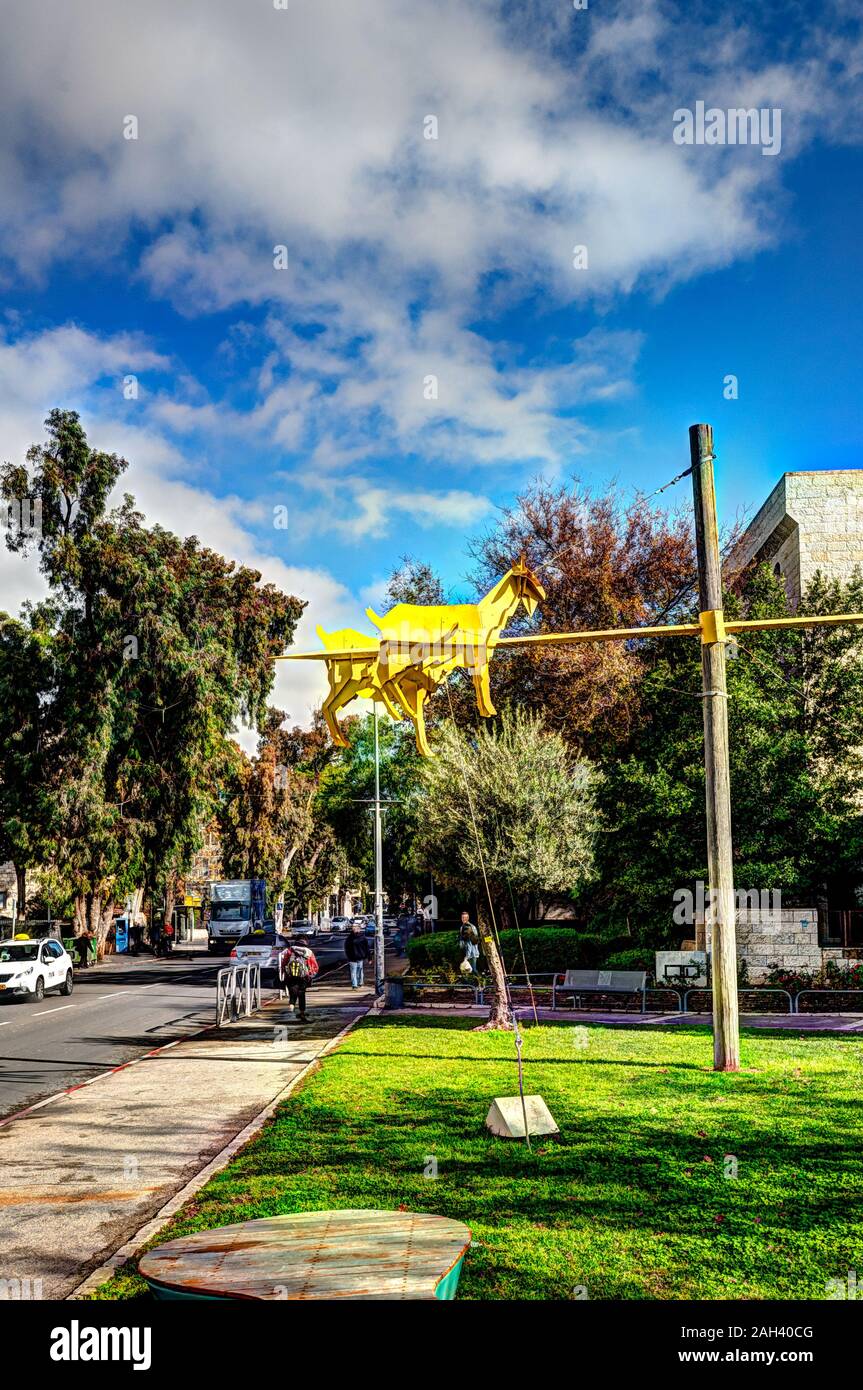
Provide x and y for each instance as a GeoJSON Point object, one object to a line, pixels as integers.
{"type": "Point", "coordinates": [117, 1012]}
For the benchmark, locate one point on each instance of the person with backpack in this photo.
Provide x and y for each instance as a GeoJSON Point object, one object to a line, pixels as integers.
{"type": "Point", "coordinates": [301, 967]}
{"type": "Point", "coordinates": [356, 954]}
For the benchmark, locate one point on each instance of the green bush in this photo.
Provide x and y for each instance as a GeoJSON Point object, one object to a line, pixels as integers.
{"type": "Point", "coordinates": [546, 949]}
{"type": "Point", "coordinates": [636, 958]}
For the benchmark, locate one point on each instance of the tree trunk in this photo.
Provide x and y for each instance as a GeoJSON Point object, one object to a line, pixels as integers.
{"type": "Point", "coordinates": [170, 899]}
{"type": "Point", "coordinates": [94, 911]}
{"type": "Point", "coordinates": [21, 881]}
{"type": "Point", "coordinates": [500, 1016]}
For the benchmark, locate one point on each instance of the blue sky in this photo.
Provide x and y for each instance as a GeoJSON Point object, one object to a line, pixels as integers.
{"type": "Point", "coordinates": [409, 257]}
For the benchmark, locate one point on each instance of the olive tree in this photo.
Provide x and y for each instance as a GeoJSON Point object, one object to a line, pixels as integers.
{"type": "Point", "coordinates": [504, 812]}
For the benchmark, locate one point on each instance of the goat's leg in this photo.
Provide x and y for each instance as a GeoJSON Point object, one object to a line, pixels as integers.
{"type": "Point", "coordinates": [420, 725]}
{"type": "Point", "coordinates": [482, 687]}
{"type": "Point", "coordinates": [336, 700]}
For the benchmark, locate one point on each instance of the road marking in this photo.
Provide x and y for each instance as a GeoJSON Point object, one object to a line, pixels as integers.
{"type": "Point", "coordinates": [119, 994]}
{"type": "Point", "coordinates": [44, 1013]}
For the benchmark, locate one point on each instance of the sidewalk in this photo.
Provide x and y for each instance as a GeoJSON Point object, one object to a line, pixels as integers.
{"type": "Point", "coordinates": [83, 1174]}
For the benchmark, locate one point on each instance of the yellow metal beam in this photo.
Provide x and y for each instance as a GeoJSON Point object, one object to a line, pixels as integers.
{"type": "Point", "coordinates": [713, 623]}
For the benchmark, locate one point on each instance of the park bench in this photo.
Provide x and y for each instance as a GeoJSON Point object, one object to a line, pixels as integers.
{"type": "Point", "coordinates": [578, 982]}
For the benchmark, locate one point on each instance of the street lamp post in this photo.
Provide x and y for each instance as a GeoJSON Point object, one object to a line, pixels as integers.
{"type": "Point", "coordinates": [379, 876]}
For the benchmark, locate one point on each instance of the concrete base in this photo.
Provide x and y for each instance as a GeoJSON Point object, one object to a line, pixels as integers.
{"type": "Point", "coordinates": [506, 1117]}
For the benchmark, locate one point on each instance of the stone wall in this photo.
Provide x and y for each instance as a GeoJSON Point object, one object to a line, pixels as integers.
{"type": "Point", "coordinates": [828, 508]}
{"type": "Point", "coordinates": [811, 521]}
{"type": "Point", "coordinates": [787, 938]}
{"type": "Point", "coordinates": [8, 888]}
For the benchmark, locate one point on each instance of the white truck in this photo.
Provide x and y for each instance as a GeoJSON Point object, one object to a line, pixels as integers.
{"type": "Point", "coordinates": [237, 905]}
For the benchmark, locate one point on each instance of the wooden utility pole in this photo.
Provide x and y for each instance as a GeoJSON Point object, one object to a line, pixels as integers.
{"type": "Point", "coordinates": [720, 869]}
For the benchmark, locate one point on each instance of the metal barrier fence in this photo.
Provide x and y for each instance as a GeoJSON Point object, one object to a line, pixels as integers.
{"type": "Point", "coordinates": [397, 985]}
{"type": "Point", "coordinates": [754, 989]}
{"type": "Point", "coordinates": [834, 992]}
{"type": "Point", "coordinates": [238, 992]}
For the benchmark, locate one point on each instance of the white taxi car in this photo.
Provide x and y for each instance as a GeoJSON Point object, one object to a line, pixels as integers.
{"type": "Point", "coordinates": [33, 967]}
{"type": "Point", "coordinates": [266, 948]}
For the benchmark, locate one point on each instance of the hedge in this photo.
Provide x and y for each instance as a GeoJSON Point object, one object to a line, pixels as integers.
{"type": "Point", "coordinates": [636, 958]}
{"type": "Point", "coordinates": [546, 949]}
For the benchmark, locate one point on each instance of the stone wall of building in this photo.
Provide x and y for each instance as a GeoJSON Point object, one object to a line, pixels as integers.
{"type": "Point", "coordinates": [828, 508]}
{"type": "Point", "coordinates": [811, 521]}
{"type": "Point", "coordinates": [787, 937]}
{"type": "Point", "coordinates": [8, 888]}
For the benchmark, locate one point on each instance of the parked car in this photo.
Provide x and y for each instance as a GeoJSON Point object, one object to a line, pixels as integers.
{"type": "Point", "coordinates": [34, 967]}
{"type": "Point", "coordinates": [265, 948]}
{"type": "Point", "coordinates": [301, 926]}
{"type": "Point", "coordinates": [340, 923]}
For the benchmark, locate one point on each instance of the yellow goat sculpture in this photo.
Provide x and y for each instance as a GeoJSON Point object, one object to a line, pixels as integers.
{"type": "Point", "coordinates": [418, 647]}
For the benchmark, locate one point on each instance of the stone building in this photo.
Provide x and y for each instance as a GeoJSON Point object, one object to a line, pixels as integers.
{"type": "Point", "coordinates": [811, 521]}
{"type": "Point", "coordinates": [794, 938]}
{"type": "Point", "coordinates": [8, 889]}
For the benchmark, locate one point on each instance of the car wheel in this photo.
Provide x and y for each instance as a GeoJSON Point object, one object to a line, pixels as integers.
{"type": "Point", "coordinates": [67, 985]}
{"type": "Point", "coordinates": [39, 990]}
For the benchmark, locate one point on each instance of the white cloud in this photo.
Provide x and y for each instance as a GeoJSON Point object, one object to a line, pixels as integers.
{"type": "Point", "coordinates": [305, 127]}
{"type": "Point", "coordinates": [259, 127]}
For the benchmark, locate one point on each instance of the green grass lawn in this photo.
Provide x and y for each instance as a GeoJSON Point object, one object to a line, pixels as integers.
{"type": "Point", "coordinates": [633, 1201]}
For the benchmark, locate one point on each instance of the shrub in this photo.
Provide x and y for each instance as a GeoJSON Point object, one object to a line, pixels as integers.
{"type": "Point", "coordinates": [833, 976]}
{"type": "Point", "coordinates": [636, 958]}
{"type": "Point", "coordinates": [546, 949]}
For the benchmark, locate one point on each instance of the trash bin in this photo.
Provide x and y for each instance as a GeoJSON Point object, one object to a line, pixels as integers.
{"type": "Point", "coordinates": [395, 995]}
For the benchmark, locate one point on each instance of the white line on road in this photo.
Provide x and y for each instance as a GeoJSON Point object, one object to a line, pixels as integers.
{"type": "Point", "coordinates": [45, 1012]}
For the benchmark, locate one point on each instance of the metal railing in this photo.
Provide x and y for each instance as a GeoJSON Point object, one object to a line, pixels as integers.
{"type": "Point", "coordinates": [834, 992]}
{"type": "Point", "coordinates": [238, 992]}
{"type": "Point", "coordinates": [748, 989]}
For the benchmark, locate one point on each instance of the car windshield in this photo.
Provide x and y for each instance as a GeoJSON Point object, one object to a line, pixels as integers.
{"type": "Point", "coordinates": [19, 950]}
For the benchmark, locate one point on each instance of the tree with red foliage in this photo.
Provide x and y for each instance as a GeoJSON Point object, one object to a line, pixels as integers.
{"type": "Point", "coordinates": [604, 563]}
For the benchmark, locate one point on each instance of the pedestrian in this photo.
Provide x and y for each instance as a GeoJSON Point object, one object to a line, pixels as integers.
{"type": "Point", "coordinates": [422, 919]}
{"type": "Point", "coordinates": [301, 967]}
{"type": "Point", "coordinates": [356, 953]}
{"type": "Point", "coordinates": [468, 936]}
{"type": "Point", "coordinates": [84, 940]}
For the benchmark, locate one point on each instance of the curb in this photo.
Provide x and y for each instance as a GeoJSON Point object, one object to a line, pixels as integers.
{"type": "Point", "coordinates": [173, 1205]}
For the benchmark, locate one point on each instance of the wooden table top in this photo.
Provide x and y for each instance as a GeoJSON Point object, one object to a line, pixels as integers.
{"type": "Point", "coordinates": [314, 1255]}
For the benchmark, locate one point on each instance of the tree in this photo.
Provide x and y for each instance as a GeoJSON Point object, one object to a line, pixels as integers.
{"type": "Point", "coordinates": [26, 807]}
{"type": "Point", "coordinates": [160, 646]}
{"type": "Point", "coordinates": [507, 811]}
{"type": "Point", "coordinates": [603, 564]}
{"type": "Point", "coordinates": [795, 704]}
{"type": "Point", "coordinates": [269, 820]}
{"type": "Point", "coordinates": [414, 582]}
{"type": "Point", "coordinates": [347, 790]}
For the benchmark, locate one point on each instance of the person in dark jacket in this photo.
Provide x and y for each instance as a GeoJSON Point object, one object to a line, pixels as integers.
{"type": "Point", "coordinates": [356, 953]}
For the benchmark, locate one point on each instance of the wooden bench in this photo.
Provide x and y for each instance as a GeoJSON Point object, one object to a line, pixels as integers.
{"type": "Point", "coordinates": [311, 1255]}
{"type": "Point", "coordinates": [600, 982]}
